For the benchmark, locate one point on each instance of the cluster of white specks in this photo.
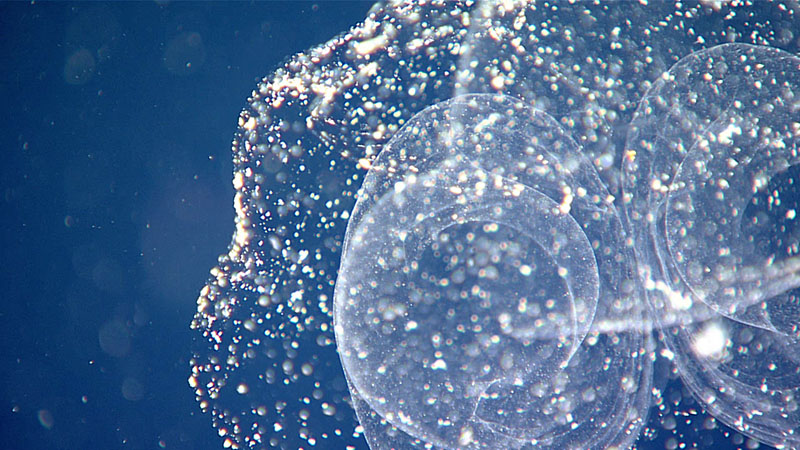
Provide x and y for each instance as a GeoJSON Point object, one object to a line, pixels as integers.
{"type": "Point", "coordinates": [265, 369]}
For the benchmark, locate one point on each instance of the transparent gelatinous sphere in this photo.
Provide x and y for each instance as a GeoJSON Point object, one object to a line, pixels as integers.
{"type": "Point", "coordinates": [265, 366]}
{"type": "Point", "coordinates": [711, 147]}
{"type": "Point", "coordinates": [473, 264]}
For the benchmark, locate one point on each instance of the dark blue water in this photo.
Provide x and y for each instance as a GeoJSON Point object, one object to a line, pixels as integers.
{"type": "Point", "coordinates": [117, 199]}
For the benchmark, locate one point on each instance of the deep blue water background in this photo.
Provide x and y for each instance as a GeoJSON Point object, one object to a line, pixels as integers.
{"type": "Point", "coordinates": [117, 198]}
